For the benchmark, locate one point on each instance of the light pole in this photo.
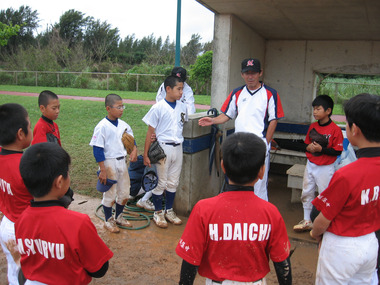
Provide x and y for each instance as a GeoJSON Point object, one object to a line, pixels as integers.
{"type": "Point", "coordinates": [178, 36]}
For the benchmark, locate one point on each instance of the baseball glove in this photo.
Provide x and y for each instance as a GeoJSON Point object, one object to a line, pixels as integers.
{"type": "Point", "coordinates": [155, 152]}
{"type": "Point", "coordinates": [128, 141]}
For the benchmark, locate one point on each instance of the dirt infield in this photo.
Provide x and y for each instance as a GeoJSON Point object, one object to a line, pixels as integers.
{"type": "Point", "coordinates": [148, 256]}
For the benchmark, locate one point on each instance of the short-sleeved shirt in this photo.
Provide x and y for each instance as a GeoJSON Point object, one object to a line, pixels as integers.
{"type": "Point", "coordinates": [187, 97]}
{"type": "Point", "coordinates": [108, 136]}
{"type": "Point", "coordinates": [253, 110]}
{"type": "Point", "coordinates": [46, 130]}
{"type": "Point", "coordinates": [167, 122]}
{"type": "Point", "coordinates": [58, 246]}
{"type": "Point", "coordinates": [351, 201]}
{"type": "Point", "coordinates": [14, 196]}
{"type": "Point", "coordinates": [328, 135]}
{"type": "Point", "coordinates": [231, 236]}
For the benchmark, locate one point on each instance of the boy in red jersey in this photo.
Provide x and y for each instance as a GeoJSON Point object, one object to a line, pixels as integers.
{"type": "Point", "coordinates": [230, 241]}
{"type": "Point", "coordinates": [46, 130]}
{"type": "Point", "coordinates": [323, 144]}
{"type": "Point", "coordinates": [15, 136]}
{"type": "Point", "coordinates": [57, 246]}
{"type": "Point", "coordinates": [349, 207]}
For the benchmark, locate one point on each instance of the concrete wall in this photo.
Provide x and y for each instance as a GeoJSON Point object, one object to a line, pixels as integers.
{"type": "Point", "coordinates": [233, 42]}
{"type": "Point", "coordinates": [291, 68]}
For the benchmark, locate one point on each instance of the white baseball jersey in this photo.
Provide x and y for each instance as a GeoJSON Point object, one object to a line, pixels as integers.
{"type": "Point", "coordinates": [167, 122]}
{"type": "Point", "coordinates": [108, 136]}
{"type": "Point", "coordinates": [253, 111]}
{"type": "Point", "coordinates": [187, 97]}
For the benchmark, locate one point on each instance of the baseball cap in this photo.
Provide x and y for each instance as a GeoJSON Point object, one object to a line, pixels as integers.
{"type": "Point", "coordinates": [104, 187]}
{"type": "Point", "coordinates": [150, 178]}
{"type": "Point", "coordinates": [179, 72]}
{"type": "Point", "coordinates": [250, 64]}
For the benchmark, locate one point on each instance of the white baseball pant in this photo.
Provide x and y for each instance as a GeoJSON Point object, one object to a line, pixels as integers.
{"type": "Point", "coordinates": [315, 176]}
{"type": "Point", "coordinates": [230, 282]}
{"type": "Point", "coordinates": [7, 232]}
{"type": "Point", "coordinates": [169, 169]}
{"type": "Point", "coordinates": [346, 260]}
{"type": "Point", "coordinates": [117, 170]}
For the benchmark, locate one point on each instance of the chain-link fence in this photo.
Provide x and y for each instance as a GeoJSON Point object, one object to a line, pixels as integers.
{"type": "Point", "coordinates": [86, 80]}
{"type": "Point", "coordinates": [342, 89]}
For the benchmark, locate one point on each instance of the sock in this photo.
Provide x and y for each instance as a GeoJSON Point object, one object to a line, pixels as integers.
{"type": "Point", "coordinates": [157, 201]}
{"type": "Point", "coordinates": [306, 214]}
{"type": "Point", "coordinates": [119, 209]}
{"type": "Point", "coordinates": [169, 199]}
{"type": "Point", "coordinates": [147, 196]}
{"type": "Point", "coordinates": [141, 191]}
{"type": "Point", "coordinates": [107, 212]}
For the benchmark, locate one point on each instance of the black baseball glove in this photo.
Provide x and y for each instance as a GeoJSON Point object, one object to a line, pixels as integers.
{"type": "Point", "coordinates": [155, 152]}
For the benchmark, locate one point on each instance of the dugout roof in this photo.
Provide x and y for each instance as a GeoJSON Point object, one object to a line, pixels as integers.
{"type": "Point", "coordinates": [305, 19]}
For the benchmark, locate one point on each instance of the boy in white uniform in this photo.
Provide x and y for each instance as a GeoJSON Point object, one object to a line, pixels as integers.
{"type": "Point", "coordinates": [187, 95]}
{"type": "Point", "coordinates": [110, 154]}
{"type": "Point", "coordinates": [166, 119]}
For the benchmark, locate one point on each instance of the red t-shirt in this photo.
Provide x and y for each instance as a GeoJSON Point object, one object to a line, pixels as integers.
{"type": "Point", "coordinates": [14, 197]}
{"type": "Point", "coordinates": [46, 130]}
{"type": "Point", "coordinates": [350, 201]}
{"type": "Point", "coordinates": [58, 246]}
{"type": "Point", "coordinates": [328, 135]}
{"type": "Point", "coordinates": [231, 236]}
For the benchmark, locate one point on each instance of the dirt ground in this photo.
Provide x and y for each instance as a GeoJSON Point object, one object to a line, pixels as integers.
{"type": "Point", "coordinates": [147, 256]}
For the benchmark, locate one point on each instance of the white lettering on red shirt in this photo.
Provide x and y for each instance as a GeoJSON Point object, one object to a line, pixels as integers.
{"type": "Point", "coordinates": [6, 187]}
{"type": "Point", "coordinates": [240, 231]}
{"type": "Point", "coordinates": [45, 248]}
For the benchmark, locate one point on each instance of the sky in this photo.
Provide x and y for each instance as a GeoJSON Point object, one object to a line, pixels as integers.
{"type": "Point", "coordinates": [139, 17]}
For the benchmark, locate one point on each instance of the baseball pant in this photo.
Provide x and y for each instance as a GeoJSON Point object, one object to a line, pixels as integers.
{"type": "Point", "coordinates": [315, 176]}
{"type": "Point", "coordinates": [261, 186]}
{"type": "Point", "coordinates": [7, 232]}
{"type": "Point", "coordinates": [117, 170]}
{"type": "Point", "coordinates": [230, 282]}
{"type": "Point", "coordinates": [346, 260]}
{"type": "Point", "coordinates": [169, 169]}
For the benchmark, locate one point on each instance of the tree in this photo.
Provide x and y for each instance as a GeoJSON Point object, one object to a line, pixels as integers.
{"type": "Point", "coordinates": [6, 32]}
{"type": "Point", "coordinates": [71, 26]}
{"type": "Point", "coordinates": [201, 71]}
{"type": "Point", "coordinates": [191, 50]}
{"type": "Point", "coordinates": [28, 22]}
{"type": "Point", "coordinates": [101, 40]}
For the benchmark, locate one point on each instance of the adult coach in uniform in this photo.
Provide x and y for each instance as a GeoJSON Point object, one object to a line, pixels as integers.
{"type": "Point", "coordinates": [256, 107]}
{"type": "Point", "coordinates": [230, 242]}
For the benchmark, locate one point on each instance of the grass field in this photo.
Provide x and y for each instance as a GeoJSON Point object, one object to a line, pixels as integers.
{"type": "Point", "coordinates": [76, 122]}
{"type": "Point", "coordinates": [147, 96]}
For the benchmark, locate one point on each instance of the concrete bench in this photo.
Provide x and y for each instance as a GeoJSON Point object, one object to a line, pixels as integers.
{"type": "Point", "coordinates": [295, 180]}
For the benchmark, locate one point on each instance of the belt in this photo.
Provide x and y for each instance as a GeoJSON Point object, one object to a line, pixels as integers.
{"type": "Point", "coordinates": [172, 144]}
{"type": "Point", "coordinates": [221, 282]}
{"type": "Point", "coordinates": [120, 158]}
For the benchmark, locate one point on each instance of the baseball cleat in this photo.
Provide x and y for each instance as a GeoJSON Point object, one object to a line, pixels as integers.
{"type": "Point", "coordinates": [159, 219]}
{"type": "Point", "coordinates": [111, 226]}
{"type": "Point", "coordinates": [171, 216]}
{"type": "Point", "coordinates": [120, 221]}
{"type": "Point", "coordinates": [303, 226]}
{"type": "Point", "coordinates": [147, 205]}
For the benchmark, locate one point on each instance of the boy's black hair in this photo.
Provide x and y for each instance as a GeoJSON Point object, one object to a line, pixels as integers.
{"type": "Point", "coordinates": [41, 164]}
{"type": "Point", "coordinates": [45, 97]}
{"type": "Point", "coordinates": [243, 156]}
{"type": "Point", "coordinates": [325, 101]}
{"type": "Point", "coordinates": [363, 110]}
{"type": "Point", "coordinates": [172, 81]}
{"type": "Point", "coordinates": [111, 99]}
{"type": "Point", "coordinates": [12, 118]}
